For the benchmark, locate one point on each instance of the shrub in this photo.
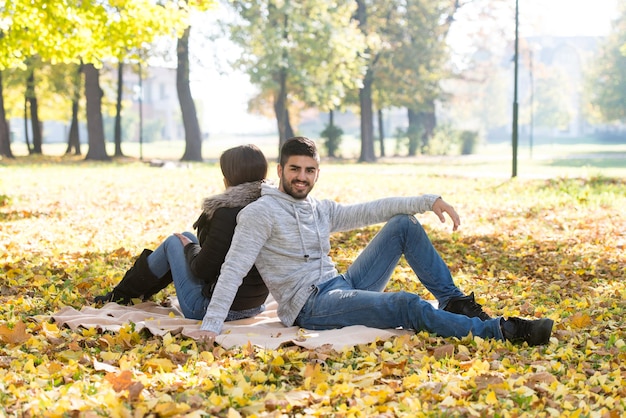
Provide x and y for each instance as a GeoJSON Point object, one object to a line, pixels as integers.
{"type": "Point", "coordinates": [332, 134]}
{"type": "Point", "coordinates": [469, 142]}
{"type": "Point", "coordinates": [444, 140]}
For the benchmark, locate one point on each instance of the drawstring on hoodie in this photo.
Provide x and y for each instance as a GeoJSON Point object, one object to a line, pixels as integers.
{"type": "Point", "coordinates": [317, 231]}
{"type": "Point", "coordinates": [306, 256]}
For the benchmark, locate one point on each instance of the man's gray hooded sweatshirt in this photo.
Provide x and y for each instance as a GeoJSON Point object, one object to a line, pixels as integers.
{"type": "Point", "coordinates": [289, 241]}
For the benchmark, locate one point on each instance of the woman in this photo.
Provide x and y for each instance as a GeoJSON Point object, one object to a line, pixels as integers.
{"type": "Point", "coordinates": [194, 268]}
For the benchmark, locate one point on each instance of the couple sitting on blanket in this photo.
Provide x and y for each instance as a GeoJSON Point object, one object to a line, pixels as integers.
{"type": "Point", "coordinates": [256, 238]}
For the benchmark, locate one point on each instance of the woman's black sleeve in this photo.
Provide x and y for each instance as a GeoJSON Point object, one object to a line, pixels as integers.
{"type": "Point", "coordinates": [205, 260]}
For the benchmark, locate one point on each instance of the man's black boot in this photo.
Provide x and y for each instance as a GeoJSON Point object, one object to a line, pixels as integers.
{"type": "Point", "coordinates": [466, 305]}
{"type": "Point", "coordinates": [534, 332]}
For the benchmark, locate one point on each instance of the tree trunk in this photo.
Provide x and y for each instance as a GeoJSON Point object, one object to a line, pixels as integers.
{"type": "Point", "coordinates": [280, 108]}
{"type": "Point", "coordinates": [381, 132]}
{"type": "Point", "coordinates": [193, 137]}
{"type": "Point", "coordinates": [34, 112]}
{"type": "Point", "coordinates": [289, 129]}
{"type": "Point", "coordinates": [427, 122]}
{"type": "Point", "coordinates": [365, 98]}
{"type": "Point", "coordinates": [414, 132]}
{"type": "Point", "coordinates": [367, 119]}
{"type": "Point", "coordinates": [73, 140]}
{"type": "Point", "coordinates": [5, 135]}
{"type": "Point", "coordinates": [332, 135]}
{"type": "Point", "coordinates": [118, 111]}
{"type": "Point", "coordinates": [331, 125]}
{"type": "Point", "coordinates": [95, 126]}
{"type": "Point", "coordinates": [26, 130]}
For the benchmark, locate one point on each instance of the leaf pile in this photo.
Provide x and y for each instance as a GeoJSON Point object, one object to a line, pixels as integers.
{"type": "Point", "coordinates": [532, 248]}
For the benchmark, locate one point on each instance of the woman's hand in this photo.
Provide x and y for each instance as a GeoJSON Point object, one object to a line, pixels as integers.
{"type": "Point", "coordinates": [440, 206]}
{"type": "Point", "coordinates": [183, 239]}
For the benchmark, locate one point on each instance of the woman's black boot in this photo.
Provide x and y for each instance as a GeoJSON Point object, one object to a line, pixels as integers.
{"type": "Point", "coordinates": [138, 282]}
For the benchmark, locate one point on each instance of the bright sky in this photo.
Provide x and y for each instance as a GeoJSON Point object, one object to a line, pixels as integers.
{"type": "Point", "coordinates": [567, 17]}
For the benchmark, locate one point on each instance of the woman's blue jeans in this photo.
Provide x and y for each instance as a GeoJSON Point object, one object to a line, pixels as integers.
{"type": "Point", "coordinates": [358, 297]}
{"type": "Point", "coordinates": [170, 255]}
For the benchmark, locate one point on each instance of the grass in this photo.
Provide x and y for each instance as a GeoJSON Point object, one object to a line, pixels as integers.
{"type": "Point", "coordinates": [545, 160]}
{"type": "Point", "coordinates": [549, 243]}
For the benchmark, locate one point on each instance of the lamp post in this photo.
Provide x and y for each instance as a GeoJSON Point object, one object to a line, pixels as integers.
{"type": "Point", "coordinates": [532, 97]}
{"type": "Point", "coordinates": [515, 113]}
{"type": "Point", "coordinates": [140, 113]}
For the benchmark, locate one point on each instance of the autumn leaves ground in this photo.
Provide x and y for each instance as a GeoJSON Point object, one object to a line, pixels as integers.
{"type": "Point", "coordinates": [536, 248]}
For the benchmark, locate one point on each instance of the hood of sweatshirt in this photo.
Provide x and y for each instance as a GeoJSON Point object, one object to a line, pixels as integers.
{"type": "Point", "coordinates": [233, 197]}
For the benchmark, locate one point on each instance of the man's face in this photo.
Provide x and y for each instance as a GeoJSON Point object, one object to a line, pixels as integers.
{"type": "Point", "coordinates": [298, 176]}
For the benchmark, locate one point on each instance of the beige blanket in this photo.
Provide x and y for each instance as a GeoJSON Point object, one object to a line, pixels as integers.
{"type": "Point", "coordinates": [264, 330]}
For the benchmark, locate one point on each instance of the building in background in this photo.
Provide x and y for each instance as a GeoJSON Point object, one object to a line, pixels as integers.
{"type": "Point", "coordinates": [158, 106]}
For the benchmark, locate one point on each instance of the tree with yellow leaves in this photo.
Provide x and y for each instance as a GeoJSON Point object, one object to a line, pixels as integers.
{"type": "Point", "coordinates": [88, 32]}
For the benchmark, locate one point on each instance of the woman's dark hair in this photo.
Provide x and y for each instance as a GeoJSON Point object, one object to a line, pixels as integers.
{"type": "Point", "coordinates": [298, 145]}
{"type": "Point", "coordinates": [243, 164]}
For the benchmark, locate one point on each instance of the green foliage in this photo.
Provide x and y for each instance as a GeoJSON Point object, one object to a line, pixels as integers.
{"type": "Point", "coordinates": [69, 31]}
{"type": "Point", "coordinates": [445, 141]}
{"type": "Point", "coordinates": [402, 140]}
{"type": "Point", "coordinates": [469, 142]}
{"type": "Point", "coordinates": [606, 81]}
{"type": "Point", "coordinates": [412, 50]}
{"type": "Point", "coordinates": [332, 135]}
{"type": "Point", "coordinates": [552, 108]}
{"type": "Point", "coordinates": [415, 138]}
{"type": "Point", "coordinates": [410, 141]}
{"type": "Point", "coordinates": [314, 42]}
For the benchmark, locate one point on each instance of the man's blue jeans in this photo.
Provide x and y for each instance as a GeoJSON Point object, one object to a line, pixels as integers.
{"type": "Point", "coordinates": [170, 255]}
{"type": "Point", "coordinates": [358, 298]}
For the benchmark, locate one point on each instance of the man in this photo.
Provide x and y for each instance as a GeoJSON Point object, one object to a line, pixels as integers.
{"type": "Point", "coordinates": [286, 234]}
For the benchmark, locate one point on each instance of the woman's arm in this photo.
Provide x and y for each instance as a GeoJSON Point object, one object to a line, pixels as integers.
{"type": "Point", "coordinates": [205, 260]}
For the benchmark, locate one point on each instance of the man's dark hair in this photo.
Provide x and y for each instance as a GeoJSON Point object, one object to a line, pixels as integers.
{"type": "Point", "coordinates": [298, 145]}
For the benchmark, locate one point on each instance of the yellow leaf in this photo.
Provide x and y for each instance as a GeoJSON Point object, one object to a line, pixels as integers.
{"type": "Point", "coordinates": [170, 409]}
{"type": "Point", "coordinates": [91, 332]}
{"type": "Point", "coordinates": [109, 356]}
{"type": "Point", "coordinates": [313, 375]}
{"type": "Point", "coordinates": [159, 364]}
{"type": "Point", "coordinates": [232, 413]}
{"type": "Point", "coordinates": [580, 320]}
{"type": "Point", "coordinates": [259, 377]}
{"type": "Point", "coordinates": [50, 328]}
{"type": "Point", "coordinates": [278, 361]}
{"type": "Point", "coordinates": [15, 335]}
{"type": "Point", "coordinates": [491, 399]}
{"type": "Point", "coordinates": [70, 355]}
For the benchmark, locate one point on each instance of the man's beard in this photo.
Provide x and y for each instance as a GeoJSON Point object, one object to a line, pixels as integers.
{"type": "Point", "coordinates": [296, 194]}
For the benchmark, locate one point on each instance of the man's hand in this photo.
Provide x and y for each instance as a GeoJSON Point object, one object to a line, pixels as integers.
{"type": "Point", "coordinates": [440, 207]}
{"type": "Point", "coordinates": [203, 338]}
